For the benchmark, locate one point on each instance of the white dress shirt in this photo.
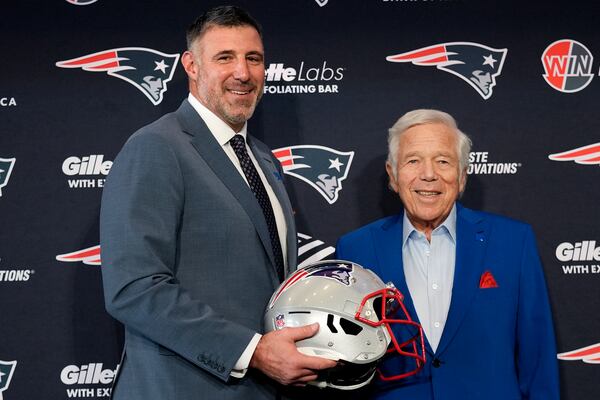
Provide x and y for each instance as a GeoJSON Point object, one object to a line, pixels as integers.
{"type": "Point", "coordinates": [223, 134]}
{"type": "Point", "coordinates": [429, 272]}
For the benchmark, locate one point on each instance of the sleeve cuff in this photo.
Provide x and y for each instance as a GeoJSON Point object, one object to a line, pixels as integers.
{"type": "Point", "coordinates": [241, 366]}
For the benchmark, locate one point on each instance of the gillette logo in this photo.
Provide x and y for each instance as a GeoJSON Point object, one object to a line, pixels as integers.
{"type": "Point", "coordinates": [88, 374]}
{"type": "Point", "coordinates": [86, 166]}
{"type": "Point", "coordinates": [580, 251]}
{"type": "Point", "coordinates": [579, 257]}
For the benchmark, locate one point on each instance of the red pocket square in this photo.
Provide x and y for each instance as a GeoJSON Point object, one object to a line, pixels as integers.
{"type": "Point", "coordinates": [487, 281]}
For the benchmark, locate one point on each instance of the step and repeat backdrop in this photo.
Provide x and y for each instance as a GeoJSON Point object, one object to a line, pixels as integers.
{"type": "Point", "coordinates": [79, 76]}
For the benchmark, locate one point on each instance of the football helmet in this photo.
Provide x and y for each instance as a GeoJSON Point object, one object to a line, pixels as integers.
{"type": "Point", "coordinates": [361, 319]}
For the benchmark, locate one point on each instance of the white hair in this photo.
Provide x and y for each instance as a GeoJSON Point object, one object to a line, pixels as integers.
{"type": "Point", "coordinates": [420, 117]}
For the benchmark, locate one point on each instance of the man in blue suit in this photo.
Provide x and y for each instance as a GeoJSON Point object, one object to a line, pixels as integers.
{"type": "Point", "coordinates": [473, 279]}
{"type": "Point", "coordinates": [197, 232]}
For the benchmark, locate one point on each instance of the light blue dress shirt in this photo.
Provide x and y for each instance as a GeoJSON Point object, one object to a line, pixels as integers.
{"type": "Point", "coordinates": [429, 272]}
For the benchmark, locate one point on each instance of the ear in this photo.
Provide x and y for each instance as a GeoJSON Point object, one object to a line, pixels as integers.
{"type": "Point", "coordinates": [190, 65]}
{"type": "Point", "coordinates": [393, 184]}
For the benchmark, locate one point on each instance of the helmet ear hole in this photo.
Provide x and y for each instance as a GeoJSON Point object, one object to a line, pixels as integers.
{"type": "Point", "coordinates": [330, 325]}
{"type": "Point", "coordinates": [349, 327]}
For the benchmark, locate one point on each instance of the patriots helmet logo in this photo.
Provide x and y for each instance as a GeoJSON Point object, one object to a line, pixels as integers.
{"type": "Point", "coordinates": [339, 271]}
{"type": "Point", "coordinates": [332, 269]}
{"type": "Point", "coordinates": [321, 167]}
{"type": "Point", "coordinates": [7, 368]}
{"type": "Point", "coordinates": [6, 166]}
{"type": "Point", "coordinates": [147, 69]}
{"type": "Point", "coordinates": [474, 63]}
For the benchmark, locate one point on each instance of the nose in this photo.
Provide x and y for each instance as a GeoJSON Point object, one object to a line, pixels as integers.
{"type": "Point", "coordinates": [241, 71]}
{"type": "Point", "coordinates": [428, 171]}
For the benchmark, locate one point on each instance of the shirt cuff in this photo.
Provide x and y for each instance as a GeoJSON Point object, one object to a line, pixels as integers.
{"type": "Point", "coordinates": [241, 366]}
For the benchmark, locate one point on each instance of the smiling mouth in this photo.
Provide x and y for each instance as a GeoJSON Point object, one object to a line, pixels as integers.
{"type": "Point", "coordinates": [427, 193]}
{"type": "Point", "coordinates": [241, 92]}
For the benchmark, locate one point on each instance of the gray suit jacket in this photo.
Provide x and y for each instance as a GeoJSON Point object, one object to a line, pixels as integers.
{"type": "Point", "coordinates": [187, 262]}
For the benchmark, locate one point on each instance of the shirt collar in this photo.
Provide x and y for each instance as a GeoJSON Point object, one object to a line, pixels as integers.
{"type": "Point", "coordinates": [220, 130]}
{"type": "Point", "coordinates": [448, 226]}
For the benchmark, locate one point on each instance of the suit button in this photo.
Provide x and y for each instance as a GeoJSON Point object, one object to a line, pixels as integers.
{"type": "Point", "coordinates": [436, 363]}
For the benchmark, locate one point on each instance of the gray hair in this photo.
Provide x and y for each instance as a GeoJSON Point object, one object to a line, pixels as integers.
{"type": "Point", "coordinates": [420, 117]}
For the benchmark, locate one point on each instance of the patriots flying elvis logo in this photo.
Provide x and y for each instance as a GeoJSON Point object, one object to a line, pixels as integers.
{"type": "Point", "coordinates": [336, 270]}
{"type": "Point", "coordinates": [6, 166]}
{"type": "Point", "coordinates": [7, 368]}
{"type": "Point", "coordinates": [321, 167]}
{"type": "Point", "coordinates": [147, 69]}
{"type": "Point", "coordinates": [474, 63]}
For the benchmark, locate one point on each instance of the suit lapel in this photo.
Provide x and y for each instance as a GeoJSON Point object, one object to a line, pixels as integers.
{"type": "Point", "coordinates": [388, 248]}
{"type": "Point", "coordinates": [212, 153]}
{"type": "Point", "coordinates": [471, 238]}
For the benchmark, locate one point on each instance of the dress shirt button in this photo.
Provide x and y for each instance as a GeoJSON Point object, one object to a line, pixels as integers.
{"type": "Point", "coordinates": [436, 324]}
{"type": "Point", "coordinates": [435, 286]}
{"type": "Point", "coordinates": [436, 363]}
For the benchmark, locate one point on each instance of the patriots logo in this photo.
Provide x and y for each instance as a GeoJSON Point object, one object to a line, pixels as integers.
{"type": "Point", "coordinates": [474, 63]}
{"type": "Point", "coordinates": [339, 271]}
{"type": "Point", "coordinates": [7, 368]}
{"type": "Point", "coordinates": [586, 155]}
{"type": "Point", "coordinates": [321, 167]}
{"type": "Point", "coordinates": [146, 69]}
{"type": "Point", "coordinates": [89, 256]}
{"type": "Point", "coordinates": [336, 270]}
{"type": "Point", "coordinates": [589, 354]}
{"type": "Point", "coordinates": [6, 166]}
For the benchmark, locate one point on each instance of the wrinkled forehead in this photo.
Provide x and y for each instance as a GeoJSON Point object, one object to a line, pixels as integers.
{"type": "Point", "coordinates": [429, 136]}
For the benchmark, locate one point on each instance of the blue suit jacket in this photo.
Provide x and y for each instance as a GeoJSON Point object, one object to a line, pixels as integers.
{"type": "Point", "coordinates": [187, 262]}
{"type": "Point", "coordinates": [498, 343]}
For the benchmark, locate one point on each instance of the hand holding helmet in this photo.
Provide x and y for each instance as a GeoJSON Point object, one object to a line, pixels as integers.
{"type": "Point", "coordinates": [361, 319]}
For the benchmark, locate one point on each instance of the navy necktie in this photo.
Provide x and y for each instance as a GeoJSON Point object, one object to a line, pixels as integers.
{"type": "Point", "coordinates": [239, 147]}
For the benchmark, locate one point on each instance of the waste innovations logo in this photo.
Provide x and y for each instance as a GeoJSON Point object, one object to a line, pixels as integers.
{"type": "Point", "coordinates": [579, 258]}
{"type": "Point", "coordinates": [312, 250]}
{"type": "Point", "coordinates": [6, 167]}
{"type": "Point", "coordinates": [148, 70]}
{"type": "Point", "coordinates": [89, 256]}
{"type": "Point", "coordinates": [479, 164]}
{"type": "Point", "coordinates": [323, 168]}
{"type": "Point", "coordinates": [321, 3]}
{"type": "Point", "coordinates": [82, 2]}
{"type": "Point", "coordinates": [586, 155]}
{"type": "Point", "coordinates": [303, 78]}
{"type": "Point", "coordinates": [567, 65]}
{"type": "Point", "coordinates": [474, 63]}
{"type": "Point", "coordinates": [7, 369]}
{"type": "Point", "coordinates": [15, 274]}
{"type": "Point", "coordinates": [588, 354]}
{"type": "Point", "coordinates": [85, 171]}
{"type": "Point", "coordinates": [83, 381]}
{"type": "Point", "coordinates": [8, 102]}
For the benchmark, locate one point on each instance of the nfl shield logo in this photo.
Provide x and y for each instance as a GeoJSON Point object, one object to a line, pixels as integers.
{"type": "Point", "coordinates": [279, 321]}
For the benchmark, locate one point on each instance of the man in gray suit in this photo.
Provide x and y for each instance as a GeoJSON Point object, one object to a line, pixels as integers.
{"type": "Point", "coordinates": [195, 228]}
